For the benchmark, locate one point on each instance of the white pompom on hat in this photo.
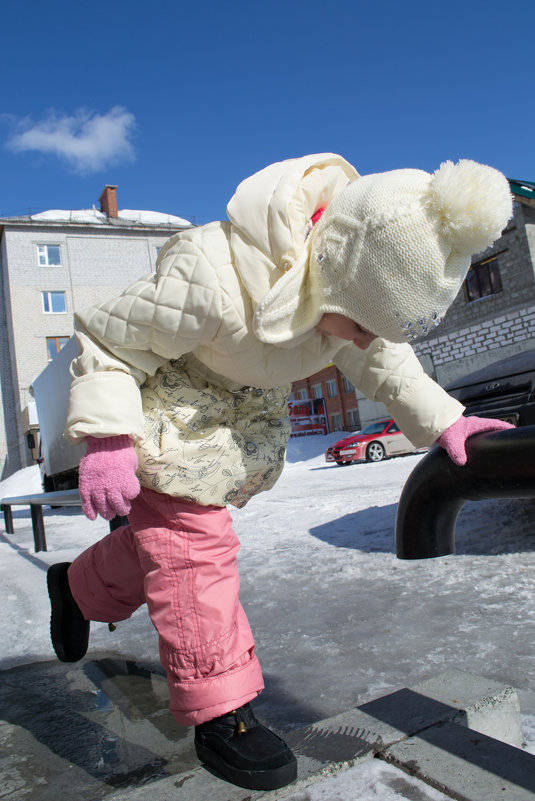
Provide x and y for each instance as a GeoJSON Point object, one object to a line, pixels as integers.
{"type": "Point", "coordinates": [391, 252]}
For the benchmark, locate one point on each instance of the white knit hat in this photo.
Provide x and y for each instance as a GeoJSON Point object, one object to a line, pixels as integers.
{"type": "Point", "coordinates": [390, 252]}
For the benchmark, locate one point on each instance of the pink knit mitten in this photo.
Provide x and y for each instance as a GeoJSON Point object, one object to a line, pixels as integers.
{"type": "Point", "coordinates": [454, 438]}
{"type": "Point", "coordinates": [107, 477]}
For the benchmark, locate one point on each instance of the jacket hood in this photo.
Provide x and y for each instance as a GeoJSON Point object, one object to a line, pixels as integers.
{"type": "Point", "coordinates": [269, 213]}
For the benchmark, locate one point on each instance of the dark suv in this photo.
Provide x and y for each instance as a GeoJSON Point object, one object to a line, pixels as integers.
{"type": "Point", "coordinates": [505, 389]}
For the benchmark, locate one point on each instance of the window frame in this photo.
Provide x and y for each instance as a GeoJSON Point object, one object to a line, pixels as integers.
{"type": "Point", "coordinates": [44, 247]}
{"type": "Point", "coordinates": [46, 299]}
{"type": "Point", "coordinates": [481, 274]}
{"type": "Point", "coordinates": [353, 414]}
{"type": "Point", "coordinates": [331, 384]}
{"type": "Point", "coordinates": [348, 385]}
{"type": "Point", "coordinates": [59, 346]}
{"type": "Point", "coordinates": [336, 421]}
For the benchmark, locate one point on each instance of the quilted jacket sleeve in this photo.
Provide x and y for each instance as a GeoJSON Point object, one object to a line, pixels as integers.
{"type": "Point", "coordinates": [160, 317]}
{"type": "Point", "coordinates": [392, 374]}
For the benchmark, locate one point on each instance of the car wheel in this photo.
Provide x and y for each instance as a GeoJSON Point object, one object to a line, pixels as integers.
{"type": "Point", "coordinates": [340, 463]}
{"type": "Point", "coordinates": [375, 452]}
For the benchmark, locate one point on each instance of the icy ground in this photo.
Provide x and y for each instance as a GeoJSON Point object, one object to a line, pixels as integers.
{"type": "Point", "coordinates": [338, 619]}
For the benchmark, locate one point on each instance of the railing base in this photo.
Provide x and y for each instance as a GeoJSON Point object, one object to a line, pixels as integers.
{"type": "Point", "coordinates": [501, 464]}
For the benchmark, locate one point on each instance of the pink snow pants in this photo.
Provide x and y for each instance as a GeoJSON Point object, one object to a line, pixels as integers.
{"type": "Point", "coordinates": [179, 558]}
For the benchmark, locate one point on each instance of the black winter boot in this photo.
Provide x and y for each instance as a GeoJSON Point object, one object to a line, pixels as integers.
{"type": "Point", "coordinates": [69, 630]}
{"type": "Point", "coordinates": [239, 749]}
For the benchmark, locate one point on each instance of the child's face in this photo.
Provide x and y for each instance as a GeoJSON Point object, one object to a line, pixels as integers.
{"type": "Point", "coordinates": [343, 327]}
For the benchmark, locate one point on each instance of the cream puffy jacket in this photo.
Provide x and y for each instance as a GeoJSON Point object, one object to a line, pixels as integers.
{"type": "Point", "coordinates": [175, 363]}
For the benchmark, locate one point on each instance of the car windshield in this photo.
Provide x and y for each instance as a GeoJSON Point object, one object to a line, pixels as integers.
{"type": "Point", "coordinates": [373, 428]}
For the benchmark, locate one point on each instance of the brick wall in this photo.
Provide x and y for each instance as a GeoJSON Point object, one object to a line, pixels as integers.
{"type": "Point", "coordinates": [93, 268]}
{"type": "Point", "coordinates": [342, 403]}
{"type": "Point", "coordinates": [95, 265]}
{"type": "Point", "coordinates": [515, 251]}
{"type": "Point", "coordinates": [9, 429]}
{"type": "Point", "coordinates": [477, 333]}
{"type": "Point", "coordinates": [475, 346]}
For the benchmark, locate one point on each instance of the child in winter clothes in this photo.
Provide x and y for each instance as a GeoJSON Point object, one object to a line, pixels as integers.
{"type": "Point", "coordinates": [180, 392]}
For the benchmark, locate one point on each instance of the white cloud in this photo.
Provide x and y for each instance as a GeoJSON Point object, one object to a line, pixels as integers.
{"type": "Point", "coordinates": [86, 140]}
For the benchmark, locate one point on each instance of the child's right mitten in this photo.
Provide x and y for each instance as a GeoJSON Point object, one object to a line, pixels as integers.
{"type": "Point", "coordinates": [107, 477]}
{"type": "Point", "coordinates": [453, 439]}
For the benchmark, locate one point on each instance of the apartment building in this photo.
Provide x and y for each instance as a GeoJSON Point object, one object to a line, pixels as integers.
{"type": "Point", "coordinates": [492, 317]}
{"type": "Point", "coordinates": [52, 265]}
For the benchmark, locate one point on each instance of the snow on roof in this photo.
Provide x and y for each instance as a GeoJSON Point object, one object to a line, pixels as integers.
{"type": "Point", "coordinates": [95, 216]}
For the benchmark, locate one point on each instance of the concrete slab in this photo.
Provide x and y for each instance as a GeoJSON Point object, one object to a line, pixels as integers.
{"type": "Point", "coordinates": [101, 729]}
{"type": "Point", "coordinates": [466, 765]}
{"type": "Point", "coordinates": [456, 696]}
{"type": "Point", "coordinates": [482, 704]}
{"type": "Point", "coordinates": [85, 730]}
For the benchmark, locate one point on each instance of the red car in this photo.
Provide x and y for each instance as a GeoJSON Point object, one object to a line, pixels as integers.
{"type": "Point", "coordinates": [373, 443]}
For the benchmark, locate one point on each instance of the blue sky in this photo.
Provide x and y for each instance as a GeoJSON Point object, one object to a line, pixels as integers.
{"type": "Point", "coordinates": [177, 102]}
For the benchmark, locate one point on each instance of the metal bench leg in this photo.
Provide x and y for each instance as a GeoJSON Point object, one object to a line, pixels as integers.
{"type": "Point", "coordinates": [8, 519]}
{"type": "Point", "coordinates": [117, 522]}
{"type": "Point", "coordinates": [38, 527]}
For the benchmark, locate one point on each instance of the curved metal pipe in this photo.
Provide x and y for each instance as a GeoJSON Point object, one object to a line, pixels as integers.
{"type": "Point", "coordinates": [500, 464]}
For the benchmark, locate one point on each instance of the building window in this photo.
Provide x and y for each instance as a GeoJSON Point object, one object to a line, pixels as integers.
{"type": "Point", "coordinates": [354, 418]}
{"type": "Point", "coordinates": [336, 422]}
{"type": "Point", "coordinates": [48, 255]}
{"type": "Point", "coordinates": [483, 279]}
{"type": "Point", "coordinates": [316, 391]}
{"type": "Point", "coordinates": [348, 386]}
{"type": "Point", "coordinates": [54, 345]}
{"type": "Point", "coordinates": [301, 394]}
{"type": "Point", "coordinates": [332, 389]}
{"type": "Point", "coordinates": [54, 302]}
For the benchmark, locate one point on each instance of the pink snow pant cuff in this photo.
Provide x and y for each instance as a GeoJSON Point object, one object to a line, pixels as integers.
{"type": "Point", "coordinates": [179, 558]}
{"type": "Point", "coordinates": [237, 687]}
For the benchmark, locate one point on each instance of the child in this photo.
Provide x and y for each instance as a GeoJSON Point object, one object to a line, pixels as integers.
{"type": "Point", "coordinates": [180, 391]}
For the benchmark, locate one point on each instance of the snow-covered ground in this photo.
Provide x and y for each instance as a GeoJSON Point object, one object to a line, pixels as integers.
{"type": "Point", "coordinates": [338, 619]}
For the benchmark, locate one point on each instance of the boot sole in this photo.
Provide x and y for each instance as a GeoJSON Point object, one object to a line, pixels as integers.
{"type": "Point", "coordinates": [57, 619]}
{"type": "Point", "coordinates": [272, 779]}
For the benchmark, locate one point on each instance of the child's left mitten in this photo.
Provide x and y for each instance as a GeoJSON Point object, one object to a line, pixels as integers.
{"type": "Point", "coordinates": [107, 477]}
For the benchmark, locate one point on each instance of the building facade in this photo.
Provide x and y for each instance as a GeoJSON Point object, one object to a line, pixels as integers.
{"type": "Point", "coordinates": [52, 265]}
{"type": "Point", "coordinates": [492, 318]}
{"type": "Point", "coordinates": [340, 397]}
